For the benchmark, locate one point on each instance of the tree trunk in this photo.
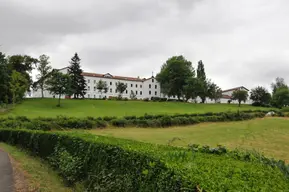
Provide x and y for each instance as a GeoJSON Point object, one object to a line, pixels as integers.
{"type": "Point", "coordinates": [42, 95]}
{"type": "Point", "coordinates": [59, 101]}
{"type": "Point", "coordinates": [239, 103]}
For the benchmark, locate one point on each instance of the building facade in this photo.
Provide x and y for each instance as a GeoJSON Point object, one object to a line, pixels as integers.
{"type": "Point", "coordinates": [142, 88]}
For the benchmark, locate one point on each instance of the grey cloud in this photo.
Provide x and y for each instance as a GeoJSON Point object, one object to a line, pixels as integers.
{"type": "Point", "coordinates": [241, 42]}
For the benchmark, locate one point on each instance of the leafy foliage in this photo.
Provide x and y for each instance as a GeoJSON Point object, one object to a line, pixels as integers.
{"type": "Point", "coordinates": [78, 83]}
{"type": "Point", "coordinates": [44, 70]}
{"type": "Point", "coordinates": [260, 96]}
{"type": "Point", "coordinates": [110, 164]}
{"type": "Point", "coordinates": [4, 79]}
{"type": "Point", "coordinates": [281, 97]}
{"type": "Point", "coordinates": [279, 83]}
{"type": "Point", "coordinates": [18, 86]}
{"type": "Point", "coordinates": [120, 88]}
{"type": "Point", "coordinates": [174, 75]}
{"type": "Point", "coordinates": [102, 87]}
{"type": "Point", "coordinates": [59, 84]}
{"type": "Point", "coordinates": [240, 95]}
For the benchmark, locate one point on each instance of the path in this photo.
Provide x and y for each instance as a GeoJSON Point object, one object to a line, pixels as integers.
{"type": "Point", "coordinates": [6, 173]}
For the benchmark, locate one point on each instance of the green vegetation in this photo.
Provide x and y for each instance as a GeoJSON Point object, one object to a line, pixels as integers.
{"type": "Point", "coordinates": [100, 108]}
{"type": "Point", "coordinates": [38, 175]}
{"type": "Point", "coordinates": [269, 135]}
{"type": "Point", "coordinates": [104, 163]}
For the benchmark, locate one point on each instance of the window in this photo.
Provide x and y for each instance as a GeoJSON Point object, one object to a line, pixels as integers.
{"type": "Point", "coordinates": [140, 93]}
{"type": "Point", "coordinates": [131, 85]}
{"type": "Point", "coordinates": [150, 86]}
{"type": "Point", "coordinates": [153, 80]}
{"type": "Point", "coordinates": [156, 93]}
{"type": "Point", "coordinates": [94, 88]}
{"type": "Point", "coordinates": [110, 90]}
{"type": "Point", "coordinates": [126, 91]}
{"type": "Point", "coordinates": [94, 96]}
{"type": "Point", "coordinates": [88, 81]}
{"type": "Point", "coordinates": [136, 85]}
{"type": "Point", "coordinates": [88, 88]}
{"type": "Point", "coordinates": [156, 86]}
{"type": "Point", "coordinates": [110, 83]}
{"type": "Point", "coordinates": [116, 91]}
{"type": "Point", "coordinates": [150, 92]}
{"type": "Point", "coordinates": [140, 86]}
{"type": "Point", "coordinates": [136, 92]}
{"type": "Point", "coordinates": [94, 81]}
{"type": "Point", "coordinates": [88, 96]}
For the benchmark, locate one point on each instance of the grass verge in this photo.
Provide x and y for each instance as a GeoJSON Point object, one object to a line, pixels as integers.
{"type": "Point", "coordinates": [37, 174]}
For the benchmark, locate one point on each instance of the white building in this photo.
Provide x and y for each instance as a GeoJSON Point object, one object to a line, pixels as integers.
{"type": "Point", "coordinates": [142, 88]}
{"type": "Point", "coordinates": [227, 95]}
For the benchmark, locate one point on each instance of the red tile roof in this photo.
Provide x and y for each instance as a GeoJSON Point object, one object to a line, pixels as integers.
{"type": "Point", "coordinates": [226, 97]}
{"type": "Point", "coordinates": [113, 77]}
{"type": "Point", "coordinates": [236, 88]}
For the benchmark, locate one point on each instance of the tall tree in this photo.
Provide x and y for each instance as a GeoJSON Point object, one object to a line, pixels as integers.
{"type": "Point", "coordinates": [260, 96]}
{"type": "Point", "coordinates": [102, 87]}
{"type": "Point", "coordinates": [240, 95]}
{"type": "Point", "coordinates": [18, 86]}
{"type": "Point", "coordinates": [77, 80]}
{"type": "Point", "coordinates": [279, 83]}
{"type": "Point", "coordinates": [203, 83]}
{"type": "Point", "coordinates": [23, 64]}
{"type": "Point", "coordinates": [214, 92]}
{"type": "Point", "coordinates": [281, 97]}
{"type": "Point", "coordinates": [59, 84]}
{"type": "Point", "coordinates": [44, 70]}
{"type": "Point", "coordinates": [120, 88]}
{"type": "Point", "coordinates": [189, 90]}
{"type": "Point", "coordinates": [4, 80]}
{"type": "Point", "coordinates": [174, 74]}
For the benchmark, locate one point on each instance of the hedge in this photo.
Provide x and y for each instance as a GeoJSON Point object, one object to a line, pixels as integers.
{"type": "Point", "coordinates": [63, 122]}
{"type": "Point", "coordinates": [110, 164]}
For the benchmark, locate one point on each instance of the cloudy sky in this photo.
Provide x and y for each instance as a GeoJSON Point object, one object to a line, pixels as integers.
{"type": "Point", "coordinates": [240, 42]}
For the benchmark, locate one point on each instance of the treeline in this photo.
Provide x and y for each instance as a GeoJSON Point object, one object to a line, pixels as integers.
{"type": "Point", "coordinates": [178, 78]}
{"type": "Point", "coordinates": [278, 98]}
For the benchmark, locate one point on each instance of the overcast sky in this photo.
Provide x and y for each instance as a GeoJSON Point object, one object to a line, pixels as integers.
{"type": "Point", "coordinates": [240, 42]}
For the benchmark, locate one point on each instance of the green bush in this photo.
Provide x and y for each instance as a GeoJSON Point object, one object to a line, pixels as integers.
{"type": "Point", "coordinates": [285, 109]}
{"type": "Point", "coordinates": [110, 164]}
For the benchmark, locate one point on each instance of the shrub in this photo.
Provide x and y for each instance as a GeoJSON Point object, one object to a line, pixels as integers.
{"type": "Point", "coordinates": [119, 122]}
{"type": "Point", "coordinates": [285, 109]}
{"type": "Point", "coordinates": [110, 164]}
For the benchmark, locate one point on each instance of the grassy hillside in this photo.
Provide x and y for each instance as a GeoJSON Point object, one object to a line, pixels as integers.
{"type": "Point", "coordinates": [269, 135]}
{"type": "Point", "coordinates": [83, 108]}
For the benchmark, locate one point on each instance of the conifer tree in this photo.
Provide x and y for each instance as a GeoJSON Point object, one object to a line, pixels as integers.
{"type": "Point", "coordinates": [78, 83]}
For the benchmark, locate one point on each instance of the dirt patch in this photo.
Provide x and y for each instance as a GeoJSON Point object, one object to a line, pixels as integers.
{"type": "Point", "coordinates": [20, 178]}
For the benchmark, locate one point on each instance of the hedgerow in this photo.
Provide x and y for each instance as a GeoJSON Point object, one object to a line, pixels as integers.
{"type": "Point", "coordinates": [110, 164]}
{"type": "Point", "coordinates": [63, 122]}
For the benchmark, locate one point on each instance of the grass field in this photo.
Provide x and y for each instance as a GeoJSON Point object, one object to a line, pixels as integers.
{"type": "Point", "coordinates": [39, 176]}
{"type": "Point", "coordinates": [96, 108]}
{"type": "Point", "coordinates": [269, 135]}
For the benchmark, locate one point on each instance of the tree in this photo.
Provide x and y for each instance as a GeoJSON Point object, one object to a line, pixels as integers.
{"type": "Point", "coordinates": [59, 84]}
{"type": "Point", "coordinates": [280, 83]}
{"type": "Point", "coordinates": [174, 74]}
{"type": "Point", "coordinates": [189, 90]}
{"type": "Point", "coordinates": [4, 79]}
{"type": "Point", "coordinates": [23, 64]}
{"type": "Point", "coordinates": [240, 95]}
{"type": "Point", "coordinates": [214, 92]}
{"type": "Point", "coordinates": [281, 97]}
{"type": "Point", "coordinates": [260, 96]}
{"type": "Point", "coordinates": [78, 83]}
{"type": "Point", "coordinates": [203, 83]}
{"type": "Point", "coordinates": [18, 85]}
{"type": "Point", "coordinates": [102, 87]}
{"type": "Point", "coordinates": [120, 88]}
{"type": "Point", "coordinates": [132, 95]}
{"type": "Point", "coordinates": [44, 70]}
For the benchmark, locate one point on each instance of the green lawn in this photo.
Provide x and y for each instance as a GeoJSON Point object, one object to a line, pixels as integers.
{"type": "Point", "coordinates": [96, 108]}
{"type": "Point", "coordinates": [269, 135]}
